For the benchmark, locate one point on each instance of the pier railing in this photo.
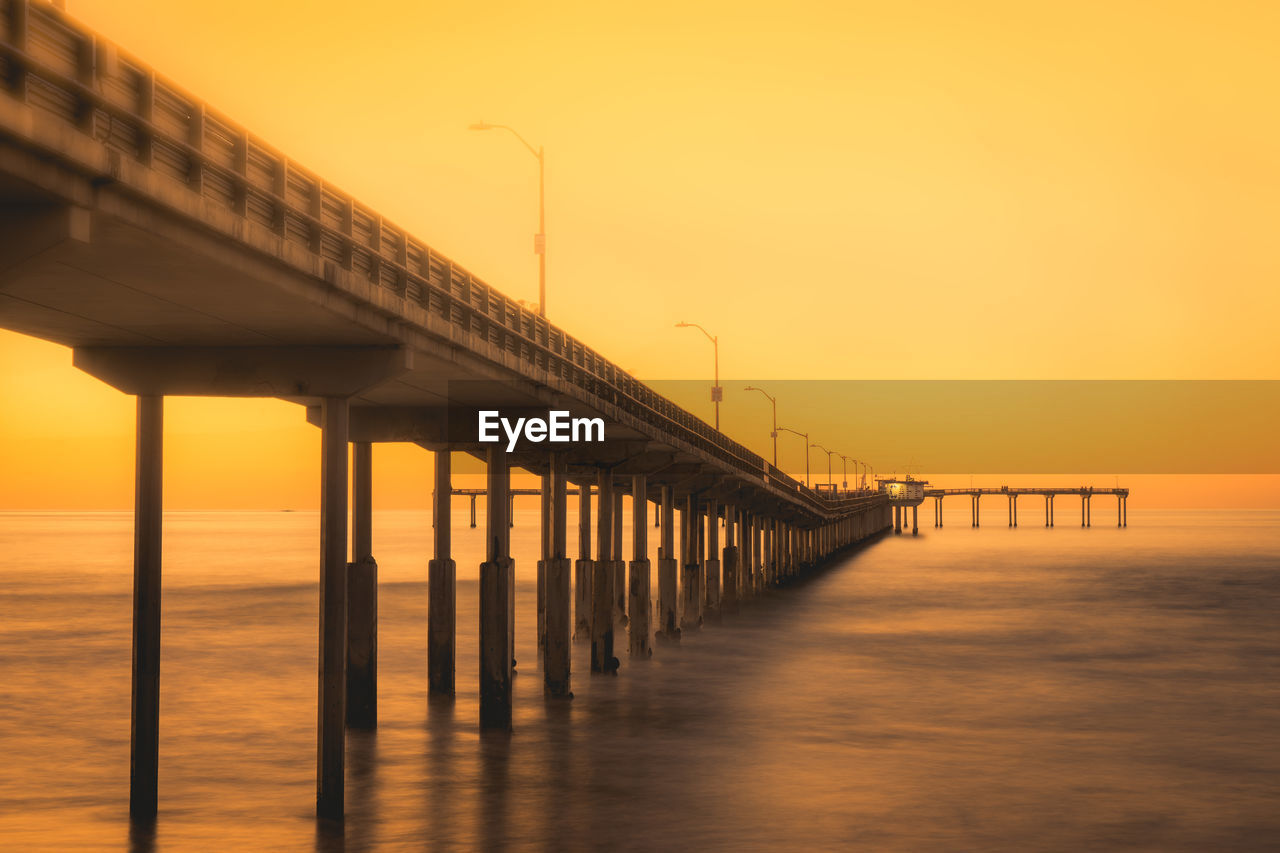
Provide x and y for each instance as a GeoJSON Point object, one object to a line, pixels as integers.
{"type": "Point", "coordinates": [53, 65]}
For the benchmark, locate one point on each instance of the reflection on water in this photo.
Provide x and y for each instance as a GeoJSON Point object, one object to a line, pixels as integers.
{"type": "Point", "coordinates": [966, 689]}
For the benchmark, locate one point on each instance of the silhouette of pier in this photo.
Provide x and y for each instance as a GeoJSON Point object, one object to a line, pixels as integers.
{"type": "Point", "coordinates": [1085, 493]}
{"type": "Point", "coordinates": [178, 254]}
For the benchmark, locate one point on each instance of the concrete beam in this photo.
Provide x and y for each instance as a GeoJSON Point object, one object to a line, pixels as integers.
{"type": "Point", "coordinates": [29, 230]}
{"type": "Point", "coordinates": [308, 372]}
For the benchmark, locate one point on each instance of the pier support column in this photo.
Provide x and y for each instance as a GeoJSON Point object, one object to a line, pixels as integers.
{"type": "Point", "coordinates": [148, 509]}
{"type": "Point", "coordinates": [787, 565]}
{"type": "Point", "coordinates": [711, 600]}
{"type": "Point", "coordinates": [1009, 500]}
{"type": "Point", "coordinates": [1126, 511]}
{"type": "Point", "coordinates": [1088, 511]}
{"type": "Point", "coordinates": [602, 659]}
{"type": "Point", "coordinates": [1119, 500]}
{"type": "Point", "coordinates": [1015, 510]}
{"type": "Point", "coordinates": [556, 652]}
{"type": "Point", "coordinates": [690, 580]}
{"type": "Point", "coordinates": [1083, 501]}
{"type": "Point", "coordinates": [442, 585]}
{"type": "Point", "coordinates": [362, 597]}
{"type": "Point", "coordinates": [331, 728]}
{"type": "Point", "coordinates": [762, 552]}
{"type": "Point", "coordinates": [897, 519]}
{"type": "Point", "coordinates": [473, 512]}
{"type": "Point", "coordinates": [915, 528]}
{"type": "Point", "coordinates": [497, 586]}
{"type": "Point", "coordinates": [583, 570]}
{"type": "Point", "coordinates": [619, 579]}
{"type": "Point", "coordinates": [756, 567]}
{"type": "Point", "coordinates": [668, 571]}
{"type": "Point", "coordinates": [744, 554]}
{"type": "Point", "coordinates": [1046, 510]}
{"type": "Point", "coordinates": [729, 563]}
{"type": "Point", "coordinates": [544, 555]}
{"type": "Point", "coordinates": [638, 603]}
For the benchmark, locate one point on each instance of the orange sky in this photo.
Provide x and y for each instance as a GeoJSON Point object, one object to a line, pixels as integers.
{"type": "Point", "coordinates": [1084, 190]}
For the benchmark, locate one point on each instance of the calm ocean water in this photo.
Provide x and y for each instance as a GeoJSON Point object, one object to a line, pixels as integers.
{"type": "Point", "coordinates": [988, 689]}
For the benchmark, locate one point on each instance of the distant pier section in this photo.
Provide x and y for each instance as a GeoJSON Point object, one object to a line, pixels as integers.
{"type": "Point", "coordinates": [1085, 493]}
{"type": "Point", "coordinates": [909, 492]}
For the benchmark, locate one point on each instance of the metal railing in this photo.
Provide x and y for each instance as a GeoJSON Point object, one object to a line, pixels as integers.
{"type": "Point", "coordinates": [52, 64]}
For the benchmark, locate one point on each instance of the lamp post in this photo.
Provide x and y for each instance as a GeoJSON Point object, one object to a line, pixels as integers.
{"type": "Point", "coordinates": [805, 436]}
{"type": "Point", "coordinates": [716, 391]}
{"type": "Point", "coordinates": [846, 460]}
{"type": "Point", "coordinates": [773, 434]}
{"type": "Point", "coordinates": [829, 455]}
{"type": "Point", "coordinates": [539, 239]}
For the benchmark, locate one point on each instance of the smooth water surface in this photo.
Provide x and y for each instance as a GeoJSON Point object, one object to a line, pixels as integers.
{"type": "Point", "coordinates": [990, 689]}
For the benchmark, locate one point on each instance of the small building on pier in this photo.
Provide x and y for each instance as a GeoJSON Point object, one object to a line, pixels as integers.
{"type": "Point", "coordinates": [905, 492]}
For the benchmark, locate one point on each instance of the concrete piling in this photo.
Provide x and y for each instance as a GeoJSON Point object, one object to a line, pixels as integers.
{"type": "Point", "coordinates": [583, 569]}
{"type": "Point", "coordinates": [497, 587]}
{"type": "Point", "coordinates": [602, 599]}
{"type": "Point", "coordinates": [729, 563]}
{"type": "Point", "coordinates": [362, 597]}
{"type": "Point", "coordinates": [442, 586]}
{"type": "Point", "coordinates": [756, 565]}
{"type": "Point", "coordinates": [544, 540]}
{"type": "Point", "coordinates": [691, 562]}
{"type": "Point", "coordinates": [768, 567]}
{"type": "Point", "coordinates": [619, 579]}
{"type": "Point", "coordinates": [331, 727]}
{"type": "Point", "coordinates": [638, 604]}
{"type": "Point", "coordinates": [711, 600]}
{"type": "Point", "coordinates": [668, 602]}
{"type": "Point", "coordinates": [555, 651]}
{"type": "Point", "coordinates": [148, 509]}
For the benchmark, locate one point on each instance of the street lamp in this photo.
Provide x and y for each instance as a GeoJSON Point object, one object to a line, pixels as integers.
{"type": "Point", "coordinates": [773, 434]}
{"type": "Point", "coordinates": [829, 454]}
{"type": "Point", "coordinates": [716, 391]}
{"type": "Point", "coordinates": [805, 436]}
{"type": "Point", "coordinates": [846, 460]}
{"type": "Point", "coordinates": [539, 239]}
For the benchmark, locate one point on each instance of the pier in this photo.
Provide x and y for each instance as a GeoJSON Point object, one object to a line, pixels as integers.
{"type": "Point", "coordinates": [1085, 493]}
{"type": "Point", "coordinates": [177, 254]}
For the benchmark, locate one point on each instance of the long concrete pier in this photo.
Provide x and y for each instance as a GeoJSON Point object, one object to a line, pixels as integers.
{"type": "Point", "coordinates": [178, 254]}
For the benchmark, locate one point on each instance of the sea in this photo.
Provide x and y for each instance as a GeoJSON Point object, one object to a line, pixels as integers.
{"type": "Point", "coordinates": [990, 688]}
